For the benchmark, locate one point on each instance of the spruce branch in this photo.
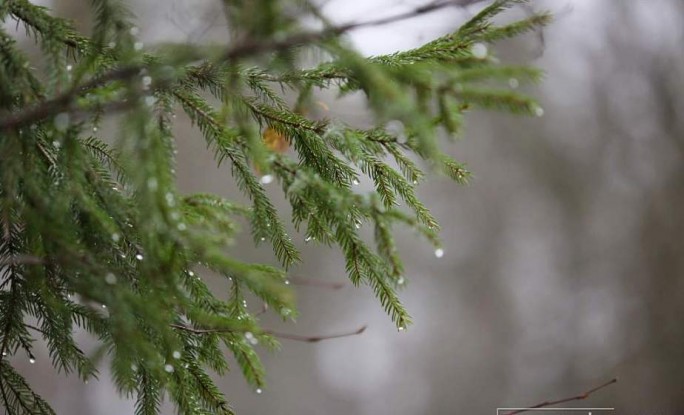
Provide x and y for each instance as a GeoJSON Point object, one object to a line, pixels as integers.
{"type": "Point", "coordinates": [100, 237]}
{"type": "Point", "coordinates": [65, 101]}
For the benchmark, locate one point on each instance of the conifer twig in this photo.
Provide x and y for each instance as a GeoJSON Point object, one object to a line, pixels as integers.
{"type": "Point", "coordinates": [579, 397]}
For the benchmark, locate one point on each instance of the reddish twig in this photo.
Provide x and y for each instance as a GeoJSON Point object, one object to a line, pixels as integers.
{"type": "Point", "coordinates": [579, 397]}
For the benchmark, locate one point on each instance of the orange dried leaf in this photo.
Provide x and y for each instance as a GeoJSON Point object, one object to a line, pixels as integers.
{"type": "Point", "coordinates": [275, 141]}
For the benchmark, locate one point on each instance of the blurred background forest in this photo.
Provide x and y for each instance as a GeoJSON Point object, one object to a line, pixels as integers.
{"type": "Point", "coordinates": [564, 260]}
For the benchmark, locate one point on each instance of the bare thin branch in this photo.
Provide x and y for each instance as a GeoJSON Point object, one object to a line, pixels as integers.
{"type": "Point", "coordinates": [579, 397]}
{"type": "Point", "coordinates": [312, 282]}
{"type": "Point", "coordinates": [253, 47]}
{"type": "Point", "coordinates": [288, 336]}
{"type": "Point", "coordinates": [315, 339]}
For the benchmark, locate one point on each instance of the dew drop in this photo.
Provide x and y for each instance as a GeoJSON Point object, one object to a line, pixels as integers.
{"type": "Point", "coordinates": [401, 328]}
{"type": "Point", "coordinates": [395, 127]}
{"type": "Point", "coordinates": [62, 121]}
{"type": "Point", "coordinates": [263, 239]}
{"type": "Point", "coordinates": [513, 83]}
{"type": "Point", "coordinates": [401, 281]}
{"type": "Point", "coordinates": [415, 182]}
{"type": "Point", "coordinates": [139, 257]}
{"type": "Point", "coordinates": [266, 179]}
{"type": "Point", "coordinates": [479, 50]}
{"type": "Point", "coordinates": [287, 282]}
{"type": "Point", "coordinates": [4, 353]}
{"type": "Point", "coordinates": [355, 182]}
{"type": "Point", "coordinates": [190, 273]}
{"type": "Point", "coordinates": [308, 239]}
{"type": "Point", "coordinates": [110, 278]}
{"type": "Point", "coordinates": [176, 354]}
{"type": "Point", "coordinates": [439, 252]}
{"type": "Point", "coordinates": [69, 68]}
{"type": "Point", "coordinates": [104, 305]}
{"type": "Point", "coordinates": [116, 237]}
{"type": "Point", "coordinates": [32, 360]}
{"type": "Point", "coordinates": [94, 129]}
{"type": "Point", "coordinates": [357, 225]}
{"type": "Point", "coordinates": [258, 391]}
{"type": "Point", "coordinates": [168, 368]}
{"type": "Point", "coordinates": [539, 111]}
{"type": "Point", "coordinates": [250, 337]}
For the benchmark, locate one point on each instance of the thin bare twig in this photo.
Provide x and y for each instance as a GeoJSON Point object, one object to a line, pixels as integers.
{"type": "Point", "coordinates": [579, 397]}
{"type": "Point", "coordinates": [312, 282]}
{"type": "Point", "coordinates": [315, 339]}
{"type": "Point", "coordinates": [288, 336]}
{"type": "Point", "coordinates": [250, 48]}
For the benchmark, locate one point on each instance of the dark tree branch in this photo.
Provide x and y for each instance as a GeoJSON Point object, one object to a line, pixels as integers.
{"type": "Point", "coordinates": [64, 102]}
